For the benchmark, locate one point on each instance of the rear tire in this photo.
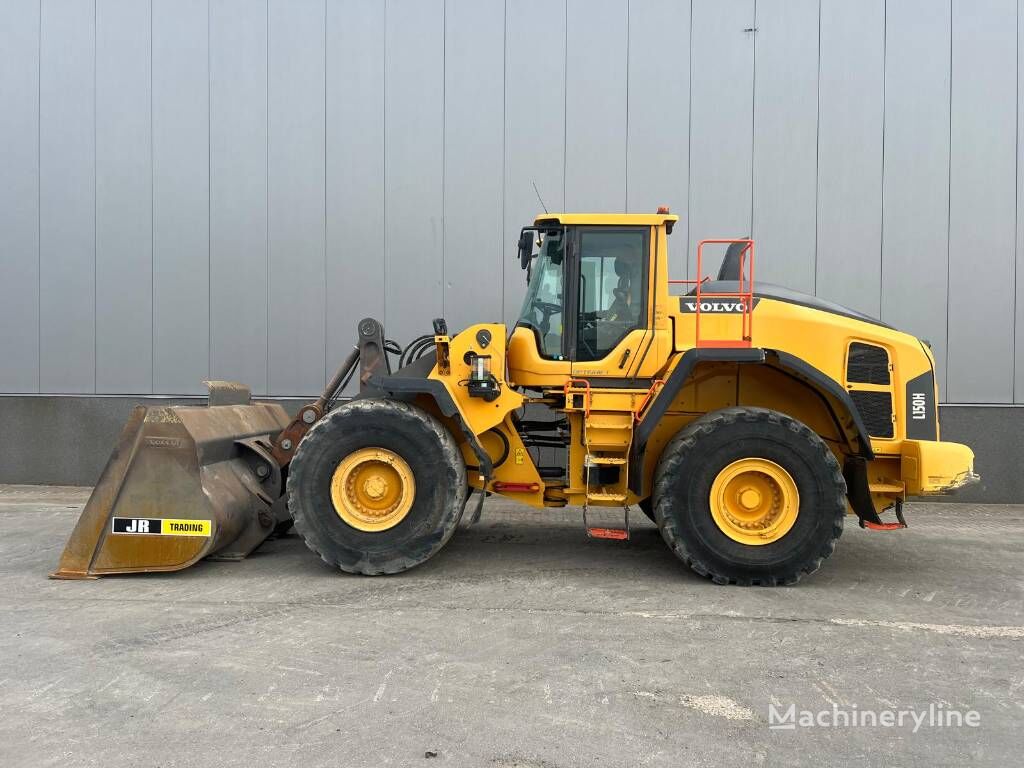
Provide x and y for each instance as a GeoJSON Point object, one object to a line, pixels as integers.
{"type": "Point", "coordinates": [423, 447]}
{"type": "Point", "coordinates": [706, 450]}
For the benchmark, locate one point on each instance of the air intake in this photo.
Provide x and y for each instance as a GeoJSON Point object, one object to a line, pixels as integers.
{"type": "Point", "coordinates": [876, 411]}
{"type": "Point", "coordinates": [867, 364]}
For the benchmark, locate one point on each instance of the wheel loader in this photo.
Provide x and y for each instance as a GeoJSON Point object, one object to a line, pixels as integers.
{"type": "Point", "coordinates": [748, 421]}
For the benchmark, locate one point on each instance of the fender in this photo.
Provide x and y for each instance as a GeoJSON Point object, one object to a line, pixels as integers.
{"type": "Point", "coordinates": [836, 399]}
{"type": "Point", "coordinates": [376, 380]}
{"type": "Point", "coordinates": [856, 433]}
{"type": "Point", "coordinates": [407, 387]}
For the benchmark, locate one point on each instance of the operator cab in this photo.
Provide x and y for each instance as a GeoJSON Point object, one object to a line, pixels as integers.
{"type": "Point", "coordinates": [588, 294]}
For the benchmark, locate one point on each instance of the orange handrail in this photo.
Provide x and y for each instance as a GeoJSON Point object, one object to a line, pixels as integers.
{"type": "Point", "coordinates": [586, 386]}
{"type": "Point", "coordinates": [745, 294]}
{"type": "Point", "coordinates": [655, 385]}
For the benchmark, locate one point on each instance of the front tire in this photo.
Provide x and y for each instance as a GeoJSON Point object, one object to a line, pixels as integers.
{"type": "Point", "coordinates": [377, 487]}
{"type": "Point", "coordinates": [749, 496]}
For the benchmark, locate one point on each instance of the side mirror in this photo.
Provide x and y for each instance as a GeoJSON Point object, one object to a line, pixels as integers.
{"type": "Point", "coordinates": [526, 241]}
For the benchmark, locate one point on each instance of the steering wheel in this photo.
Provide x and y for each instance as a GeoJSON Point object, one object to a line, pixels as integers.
{"type": "Point", "coordinates": [547, 308]}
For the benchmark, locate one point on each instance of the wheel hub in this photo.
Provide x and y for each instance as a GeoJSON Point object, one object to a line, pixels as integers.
{"type": "Point", "coordinates": [750, 498]}
{"type": "Point", "coordinates": [754, 501]}
{"type": "Point", "coordinates": [373, 489]}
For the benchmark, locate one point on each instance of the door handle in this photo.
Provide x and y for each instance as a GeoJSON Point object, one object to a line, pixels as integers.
{"type": "Point", "coordinates": [624, 358]}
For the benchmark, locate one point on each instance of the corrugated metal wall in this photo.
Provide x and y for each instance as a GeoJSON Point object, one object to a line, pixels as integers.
{"type": "Point", "coordinates": [221, 188]}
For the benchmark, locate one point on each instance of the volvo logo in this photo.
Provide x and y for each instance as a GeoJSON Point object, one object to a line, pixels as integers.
{"type": "Point", "coordinates": [688, 305]}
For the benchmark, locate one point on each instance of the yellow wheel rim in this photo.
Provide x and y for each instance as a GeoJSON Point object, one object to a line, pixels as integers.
{"type": "Point", "coordinates": [754, 501]}
{"type": "Point", "coordinates": [373, 489]}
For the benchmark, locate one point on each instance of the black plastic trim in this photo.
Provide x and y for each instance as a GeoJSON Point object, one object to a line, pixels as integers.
{"type": "Point", "coordinates": [926, 428]}
{"type": "Point", "coordinates": [620, 383]}
{"type": "Point", "coordinates": [407, 387]}
{"type": "Point", "coordinates": [808, 372]}
{"type": "Point", "coordinates": [858, 489]}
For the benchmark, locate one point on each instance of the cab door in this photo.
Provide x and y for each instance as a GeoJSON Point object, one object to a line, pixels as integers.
{"type": "Point", "coordinates": [608, 306]}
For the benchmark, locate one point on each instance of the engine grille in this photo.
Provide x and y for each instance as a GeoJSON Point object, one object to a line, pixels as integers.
{"type": "Point", "coordinates": [876, 410]}
{"type": "Point", "coordinates": [867, 364]}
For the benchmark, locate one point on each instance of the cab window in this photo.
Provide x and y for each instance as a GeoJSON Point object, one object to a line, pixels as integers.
{"type": "Point", "coordinates": [542, 306]}
{"type": "Point", "coordinates": [612, 289]}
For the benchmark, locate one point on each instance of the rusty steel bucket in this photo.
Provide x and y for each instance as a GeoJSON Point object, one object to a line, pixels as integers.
{"type": "Point", "coordinates": [183, 483]}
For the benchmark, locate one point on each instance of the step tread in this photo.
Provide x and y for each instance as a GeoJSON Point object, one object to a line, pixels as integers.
{"type": "Point", "coordinates": [886, 487]}
{"type": "Point", "coordinates": [609, 460]}
{"type": "Point", "coordinates": [606, 496]}
{"type": "Point", "coordinates": [616, 534]}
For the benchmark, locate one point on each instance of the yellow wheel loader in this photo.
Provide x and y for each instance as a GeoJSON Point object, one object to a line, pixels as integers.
{"type": "Point", "coordinates": [746, 420]}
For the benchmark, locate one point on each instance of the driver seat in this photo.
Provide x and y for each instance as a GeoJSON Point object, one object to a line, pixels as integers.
{"type": "Point", "coordinates": [620, 309]}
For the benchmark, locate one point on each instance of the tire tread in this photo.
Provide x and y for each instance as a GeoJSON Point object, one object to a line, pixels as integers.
{"type": "Point", "coordinates": [379, 409]}
{"type": "Point", "coordinates": [685, 445]}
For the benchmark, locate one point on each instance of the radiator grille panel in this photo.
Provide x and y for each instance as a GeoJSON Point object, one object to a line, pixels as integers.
{"type": "Point", "coordinates": [876, 411]}
{"type": "Point", "coordinates": [867, 364]}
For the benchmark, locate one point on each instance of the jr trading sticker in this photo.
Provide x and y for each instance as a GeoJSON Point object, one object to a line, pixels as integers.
{"type": "Point", "coordinates": [162, 526]}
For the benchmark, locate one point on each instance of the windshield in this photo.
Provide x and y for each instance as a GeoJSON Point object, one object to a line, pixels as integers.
{"type": "Point", "coordinates": [542, 307]}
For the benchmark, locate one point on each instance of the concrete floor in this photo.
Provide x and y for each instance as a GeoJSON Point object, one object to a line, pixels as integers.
{"type": "Point", "coordinates": [521, 644]}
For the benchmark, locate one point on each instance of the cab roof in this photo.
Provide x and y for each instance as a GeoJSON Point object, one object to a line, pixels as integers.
{"type": "Point", "coordinates": [607, 219]}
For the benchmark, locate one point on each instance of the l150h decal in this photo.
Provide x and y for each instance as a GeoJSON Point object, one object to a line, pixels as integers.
{"type": "Point", "coordinates": [714, 306]}
{"type": "Point", "coordinates": [921, 417]}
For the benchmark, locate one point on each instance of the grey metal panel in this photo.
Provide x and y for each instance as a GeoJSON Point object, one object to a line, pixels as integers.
{"type": "Point", "coordinates": [414, 166]}
{"type": "Point", "coordinates": [451, 210]}
{"type": "Point", "coordinates": [657, 156]}
{"type": "Point", "coordinates": [124, 199]}
{"type": "Point", "coordinates": [355, 170]}
{"type": "Point", "coordinates": [181, 196]}
{"type": "Point", "coordinates": [19, 195]}
{"type": "Point", "coordinates": [1018, 358]}
{"type": "Point", "coordinates": [473, 157]}
{"type": "Point", "coordinates": [534, 126]}
{"type": "Point", "coordinates": [238, 192]}
{"type": "Point", "coordinates": [67, 197]}
{"type": "Point", "coordinates": [595, 105]}
{"type": "Point", "coordinates": [785, 142]}
{"type": "Point", "coordinates": [296, 185]}
{"type": "Point", "coordinates": [721, 123]}
{"type": "Point", "coordinates": [982, 205]}
{"type": "Point", "coordinates": [915, 191]}
{"type": "Point", "coordinates": [850, 153]}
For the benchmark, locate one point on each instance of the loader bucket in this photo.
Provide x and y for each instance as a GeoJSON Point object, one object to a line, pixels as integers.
{"type": "Point", "coordinates": [183, 483]}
